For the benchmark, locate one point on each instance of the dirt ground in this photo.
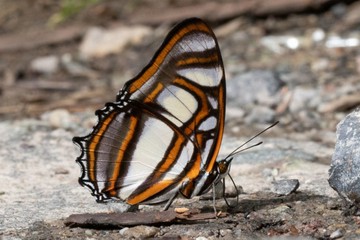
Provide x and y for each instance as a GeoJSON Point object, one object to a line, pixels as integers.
{"type": "Point", "coordinates": [24, 93]}
{"type": "Point", "coordinates": [264, 215]}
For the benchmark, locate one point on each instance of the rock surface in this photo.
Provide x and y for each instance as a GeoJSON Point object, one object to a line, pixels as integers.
{"type": "Point", "coordinates": [345, 165]}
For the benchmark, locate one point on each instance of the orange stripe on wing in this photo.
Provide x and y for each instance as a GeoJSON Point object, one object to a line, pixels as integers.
{"type": "Point", "coordinates": [190, 176]}
{"type": "Point", "coordinates": [163, 53]}
{"type": "Point", "coordinates": [201, 60]}
{"type": "Point", "coordinates": [120, 156]}
{"type": "Point", "coordinates": [220, 127]}
{"type": "Point", "coordinates": [151, 191]}
{"type": "Point", "coordinates": [203, 113]}
{"type": "Point", "coordinates": [93, 144]}
{"type": "Point", "coordinates": [155, 187]}
{"type": "Point", "coordinates": [150, 97]}
{"type": "Point", "coordinates": [175, 151]}
{"type": "Point", "coordinates": [204, 104]}
{"type": "Point", "coordinates": [193, 172]}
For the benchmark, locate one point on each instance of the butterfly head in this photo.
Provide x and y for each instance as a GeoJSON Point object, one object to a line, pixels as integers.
{"type": "Point", "coordinates": [223, 167]}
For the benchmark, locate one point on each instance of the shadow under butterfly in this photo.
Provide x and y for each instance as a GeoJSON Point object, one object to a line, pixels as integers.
{"type": "Point", "coordinates": [162, 135]}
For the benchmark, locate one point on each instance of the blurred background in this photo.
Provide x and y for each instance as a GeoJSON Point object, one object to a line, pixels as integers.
{"type": "Point", "coordinates": [297, 61]}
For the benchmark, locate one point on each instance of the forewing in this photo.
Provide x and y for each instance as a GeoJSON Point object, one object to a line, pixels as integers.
{"type": "Point", "coordinates": [185, 83]}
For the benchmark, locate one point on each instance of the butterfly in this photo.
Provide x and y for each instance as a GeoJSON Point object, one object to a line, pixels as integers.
{"type": "Point", "coordinates": [162, 135]}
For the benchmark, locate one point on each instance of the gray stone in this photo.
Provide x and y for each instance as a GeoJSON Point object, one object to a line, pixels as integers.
{"type": "Point", "coordinates": [99, 42]}
{"type": "Point", "coordinates": [261, 114]}
{"type": "Point", "coordinates": [46, 64]}
{"type": "Point", "coordinates": [305, 119]}
{"type": "Point", "coordinates": [285, 186]}
{"type": "Point", "coordinates": [234, 112]}
{"type": "Point", "coordinates": [254, 87]}
{"type": "Point", "coordinates": [201, 238]}
{"type": "Point", "coordinates": [280, 44]}
{"type": "Point", "coordinates": [345, 165]}
{"type": "Point", "coordinates": [336, 234]}
{"type": "Point", "coordinates": [77, 68]}
{"type": "Point", "coordinates": [304, 98]}
{"type": "Point", "coordinates": [280, 210]}
{"type": "Point", "coordinates": [295, 78]}
{"type": "Point", "coordinates": [140, 232]}
{"type": "Point", "coordinates": [58, 118]}
{"type": "Point", "coordinates": [225, 233]}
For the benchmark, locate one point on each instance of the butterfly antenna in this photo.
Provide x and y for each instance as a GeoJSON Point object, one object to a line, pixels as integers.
{"type": "Point", "coordinates": [244, 149]}
{"type": "Point", "coordinates": [236, 151]}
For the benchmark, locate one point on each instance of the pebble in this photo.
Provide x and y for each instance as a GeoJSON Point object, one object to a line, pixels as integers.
{"type": "Point", "coordinates": [123, 230]}
{"type": "Point", "coordinates": [225, 232]}
{"type": "Point", "coordinates": [76, 68]}
{"type": "Point", "coordinates": [279, 209]}
{"type": "Point", "coordinates": [100, 42]}
{"type": "Point", "coordinates": [321, 64]}
{"type": "Point", "coordinates": [260, 114]}
{"type": "Point", "coordinates": [234, 112]}
{"type": "Point", "coordinates": [254, 87]}
{"type": "Point", "coordinates": [201, 238]}
{"type": "Point", "coordinates": [307, 119]}
{"type": "Point", "coordinates": [345, 163]}
{"type": "Point", "coordinates": [336, 234]}
{"type": "Point", "coordinates": [304, 98]}
{"type": "Point", "coordinates": [285, 187]}
{"type": "Point", "coordinates": [59, 118]}
{"type": "Point", "coordinates": [139, 232]}
{"type": "Point", "coordinates": [280, 44]}
{"type": "Point", "coordinates": [46, 64]}
{"type": "Point", "coordinates": [301, 77]}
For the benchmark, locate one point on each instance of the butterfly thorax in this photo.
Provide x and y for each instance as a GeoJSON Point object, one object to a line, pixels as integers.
{"type": "Point", "coordinates": [223, 167]}
{"type": "Point", "coordinates": [220, 171]}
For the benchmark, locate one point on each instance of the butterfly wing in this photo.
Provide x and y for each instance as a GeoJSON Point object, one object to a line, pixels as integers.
{"type": "Point", "coordinates": [163, 133]}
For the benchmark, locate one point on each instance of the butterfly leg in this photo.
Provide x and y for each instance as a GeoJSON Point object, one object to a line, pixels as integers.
{"type": "Point", "coordinates": [214, 198]}
{"type": "Point", "coordinates": [169, 202]}
{"type": "Point", "coordinates": [237, 193]}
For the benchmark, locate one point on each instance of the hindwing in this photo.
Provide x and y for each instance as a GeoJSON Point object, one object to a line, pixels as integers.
{"type": "Point", "coordinates": [163, 133]}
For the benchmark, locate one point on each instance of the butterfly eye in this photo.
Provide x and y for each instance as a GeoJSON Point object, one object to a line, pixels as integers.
{"type": "Point", "coordinates": [224, 166]}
